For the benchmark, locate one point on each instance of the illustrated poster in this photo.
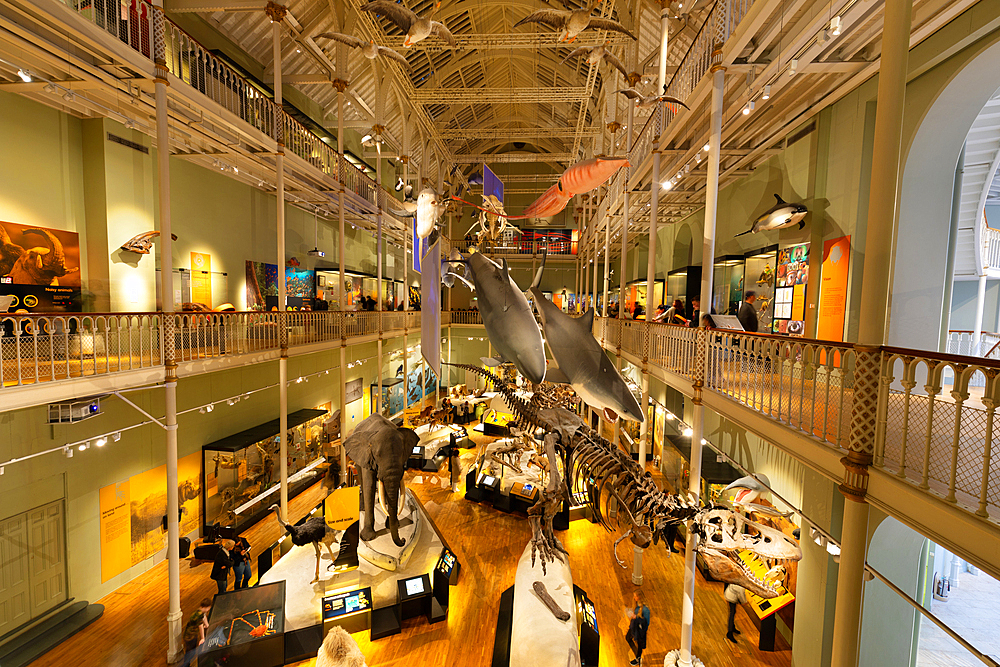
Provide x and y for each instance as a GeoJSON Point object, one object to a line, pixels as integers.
{"type": "Point", "coordinates": [262, 283]}
{"type": "Point", "coordinates": [201, 278]}
{"type": "Point", "coordinates": [53, 288]}
{"type": "Point", "coordinates": [833, 288]}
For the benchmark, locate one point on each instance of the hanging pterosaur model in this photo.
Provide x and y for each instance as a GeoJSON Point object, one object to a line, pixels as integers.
{"type": "Point", "coordinates": [572, 23]}
{"type": "Point", "coordinates": [416, 28]}
{"type": "Point", "coordinates": [652, 100]}
{"type": "Point", "coordinates": [369, 50]}
{"type": "Point", "coordinates": [595, 54]}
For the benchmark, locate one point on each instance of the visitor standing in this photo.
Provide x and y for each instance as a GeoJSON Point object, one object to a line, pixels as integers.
{"type": "Point", "coordinates": [734, 595]}
{"type": "Point", "coordinates": [747, 314]}
{"type": "Point", "coordinates": [194, 631]}
{"type": "Point", "coordinates": [637, 627]}
{"type": "Point", "coordinates": [222, 565]}
{"type": "Point", "coordinates": [241, 563]}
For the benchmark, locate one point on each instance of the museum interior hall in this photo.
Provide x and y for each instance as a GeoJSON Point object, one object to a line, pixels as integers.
{"type": "Point", "coordinates": [533, 333]}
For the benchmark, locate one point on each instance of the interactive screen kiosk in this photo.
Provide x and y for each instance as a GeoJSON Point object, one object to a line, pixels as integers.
{"type": "Point", "coordinates": [415, 596]}
{"type": "Point", "coordinates": [351, 610]}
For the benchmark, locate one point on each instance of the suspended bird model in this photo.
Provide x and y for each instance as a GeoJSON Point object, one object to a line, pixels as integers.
{"type": "Point", "coordinates": [647, 102]}
{"type": "Point", "coordinates": [369, 50]}
{"type": "Point", "coordinates": [572, 23]}
{"type": "Point", "coordinates": [427, 209]}
{"type": "Point", "coordinates": [416, 28]}
{"type": "Point", "coordinates": [595, 54]}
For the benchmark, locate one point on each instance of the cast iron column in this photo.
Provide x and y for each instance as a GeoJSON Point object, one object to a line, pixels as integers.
{"type": "Point", "coordinates": [175, 648]}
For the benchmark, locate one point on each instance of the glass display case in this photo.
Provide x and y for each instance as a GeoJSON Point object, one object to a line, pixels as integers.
{"type": "Point", "coordinates": [683, 284]}
{"type": "Point", "coordinates": [635, 292]}
{"type": "Point", "coordinates": [246, 628]}
{"type": "Point", "coordinates": [241, 471]}
{"type": "Point", "coordinates": [760, 277]}
{"type": "Point", "coordinates": [392, 395]}
{"type": "Point", "coordinates": [727, 284]}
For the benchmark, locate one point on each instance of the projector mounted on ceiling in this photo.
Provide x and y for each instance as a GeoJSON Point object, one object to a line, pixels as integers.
{"type": "Point", "coordinates": [316, 252]}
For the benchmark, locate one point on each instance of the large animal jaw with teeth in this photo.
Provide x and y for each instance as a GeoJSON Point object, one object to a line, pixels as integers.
{"type": "Point", "coordinates": [724, 534]}
{"type": "Point", "coordinates": [727, 567]}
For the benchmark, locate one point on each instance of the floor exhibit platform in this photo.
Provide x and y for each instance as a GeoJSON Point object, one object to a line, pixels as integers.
{"type": "Point", "coordinates": [304, 600]}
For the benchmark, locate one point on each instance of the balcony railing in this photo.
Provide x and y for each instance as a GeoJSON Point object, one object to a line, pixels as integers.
{"type": "Point", "coordinates": [46, 348]}
{"type": "Point", "coordinates": [934, 426]}
{"type": "Point", "coordinates": [132, 22]}
{"type": "Point", "coordinates": [991, 247]}
{"type": "Point", "coordinates": [466, 317]}
{"type": "Point", "coordinates": [516, 247]}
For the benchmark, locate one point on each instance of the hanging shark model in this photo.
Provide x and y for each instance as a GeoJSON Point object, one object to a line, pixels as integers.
{"type": "Point", "coordinates": [778, 216]}
{"type": "Point", "coordinates": [582, 362]}
{"type": "Point", "coordinates": [507, 317]}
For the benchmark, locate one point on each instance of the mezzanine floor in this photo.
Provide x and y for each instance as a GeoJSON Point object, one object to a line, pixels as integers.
{"type": "Point", "coordinates": [488, 544]}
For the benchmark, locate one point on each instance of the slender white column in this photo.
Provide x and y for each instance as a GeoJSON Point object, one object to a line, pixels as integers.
{"type": "Point", "coordinates": [977, 334]}
{"type": "Point", "coordinates": [341, 86]}
{"type": "Point", "coordinates": [175, 648]}
{"type": "Point", "coordinates": [607, 260]}
{"type": "Point", "coordinates": [279, 161]}
{"type": "Point", "coordinates": [378, 307]}
{"type": "Point", "coordinates": [698, 425]}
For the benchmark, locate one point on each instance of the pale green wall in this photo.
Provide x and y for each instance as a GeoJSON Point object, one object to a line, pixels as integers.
{"type": "Point", "coordinates": [963, 305]}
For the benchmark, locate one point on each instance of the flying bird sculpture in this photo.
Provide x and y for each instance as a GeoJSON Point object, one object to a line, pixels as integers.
{"type": "Point", "coordinates": [369, 50]}
{"type": "Point", "coordinates": [572, 23]}
{"type": "Point", "coordinates": [416, 28]}
{"type": "Point", "coordinates": [652, 100]}
{"type": "Point", "coordinates": [595, 54]}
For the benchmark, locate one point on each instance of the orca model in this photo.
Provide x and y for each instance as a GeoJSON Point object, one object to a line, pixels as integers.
{"type": "Point", "coordinates": [778, 216]}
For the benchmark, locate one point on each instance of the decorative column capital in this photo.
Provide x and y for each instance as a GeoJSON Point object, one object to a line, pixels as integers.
{"type": "Point", "coordinates": [614, 126]}
{"type": "Point", "coordinates": [716, 60]}
{"type": "Point", "coordinates": [405, 159]}
{"type": "Point", "coordinates": [855, 484]}
{"type": "Point", "coordinates": [275, 12]}
{"type": "Point", "coordinates": [340, 85]}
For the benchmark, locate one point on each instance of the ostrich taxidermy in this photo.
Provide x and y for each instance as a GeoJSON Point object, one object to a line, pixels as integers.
{"type": "Point", "coordinates": [312, 532]}
{"type": "Point", "coordinates": [141, 244]}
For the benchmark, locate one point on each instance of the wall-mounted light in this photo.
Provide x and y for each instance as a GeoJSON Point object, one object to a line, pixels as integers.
{"type": "Point", "coordinates": [116, 436]}
{"type": "Point", "coordinates": [69, 96]}
{"type": "Point", "coordinates": [688, 432]}
{"type": "Point", "coordinates": [100, 442]}
{"type": "Point", "coordinates": [793, 67]}
{"type": "Point", "coordinates": [705, 148]}
{"type": "Point", "coordinates": [746, 109]}
{"type": "Point", "coordinates": [25, 75]}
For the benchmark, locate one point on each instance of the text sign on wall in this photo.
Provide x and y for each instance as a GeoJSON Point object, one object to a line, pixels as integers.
{"type": "Point", "coordinates": [201, 278]}
{"type": "Point", "coordinates": [833, 288]}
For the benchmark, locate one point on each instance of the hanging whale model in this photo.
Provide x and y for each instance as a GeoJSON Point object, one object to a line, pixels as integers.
{"type": "Point", "coordinates": [507, 317]}
{"type": "Point", "coordinates": [580, 361]}
{"type": "Point", "coordinates": [778, 216]}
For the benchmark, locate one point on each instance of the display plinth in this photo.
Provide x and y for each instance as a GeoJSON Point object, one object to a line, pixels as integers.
{"type": "Point", "coordinates": [246, 628]}
{"type": "Point", "coordinates": [382, 551]}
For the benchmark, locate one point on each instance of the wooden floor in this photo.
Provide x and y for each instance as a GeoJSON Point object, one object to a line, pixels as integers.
{"type": "Point", "coordinates": [488, 544]}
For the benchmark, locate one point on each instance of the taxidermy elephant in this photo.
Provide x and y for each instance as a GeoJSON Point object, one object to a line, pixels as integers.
{"type": "Point", "coordinates": [380, 450]}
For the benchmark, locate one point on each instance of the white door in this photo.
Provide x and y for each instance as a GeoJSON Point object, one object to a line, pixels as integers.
{"type": "Point", "coordinates": [15, 608]}
{"type": "Point", "coordinates": [48, 566]}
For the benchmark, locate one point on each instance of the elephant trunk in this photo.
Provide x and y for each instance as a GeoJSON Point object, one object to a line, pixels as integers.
{"type": "Point", "coordinates": [392, 516]}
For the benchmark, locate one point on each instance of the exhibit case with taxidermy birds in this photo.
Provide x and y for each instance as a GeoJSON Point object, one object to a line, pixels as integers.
{"type": "Point", "coordinates": [242, 470]}
{"type": "Point", "coordinates": [760, 277]}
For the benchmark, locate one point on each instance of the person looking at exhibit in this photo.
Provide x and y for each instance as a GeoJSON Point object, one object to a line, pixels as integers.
{"type": "Point", "coordinates": [241, 563]}
{"type": "Point", "coordinates": [194, 631]}
{"type": "Point", "coordinates": [222, 565]}
{"type": "Point", "coordinates": [638, 625]}
{"type": "Point", "coordinates": [747, 314]}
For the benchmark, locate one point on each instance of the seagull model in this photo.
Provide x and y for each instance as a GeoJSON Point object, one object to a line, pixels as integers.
{"type": "Point", "coordinates": [647, 102]}
{"type": "Point", "coordinates": [369, 50]}
{"type": "Point", "coordinates": [595, 54]}
{"type": "Point", "coordinates": [416, 28]}
{"type": "Point", "coordinates": [572, 23]}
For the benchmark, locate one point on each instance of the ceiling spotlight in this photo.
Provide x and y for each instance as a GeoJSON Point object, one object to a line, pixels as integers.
{"type": "Point", "coordinates": [688, 432]}
{"type": "Point", "coordinates": [366, 139]}
{"type": "Point", "coordinates": [83, 447]}
{"type": "Point", "coordinates": [705, 148]}
{"type": "Point", "coordinates": [129, 124]}
{"type": "Point", "coordinates": [767, 92]}
{"type": "Point", "coordinates": [49, 88]}
{"type": "Point", "coordinates": [752, 105]}
{"type": "Point", "coordinates": [230, 401]}
{"type": "Point", "coordinates": [116, 436]}
{"type": "Point", "coordinates": [25, 75]}
{"type": "Point", "coordinates": [100, 442]}
{"type": "Point", "coordinates": [68, 451]}
{"type": "Point", "coordinates": [835, 26]}
{"type": "Point", "coordinates": [793, 67]}
{"type": "Point", "coordinates": [210, 407]}
{"type": "Point", "coordinates": [697, 157]}
{"type": "Point", "coordinates": [823, 37]}
{"type": "Point", "coordinates": [202, 411]}
{"type": "Point", "coordinates": [666, 185]}
{"type": "Point", "coordinates": [69, 96]}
